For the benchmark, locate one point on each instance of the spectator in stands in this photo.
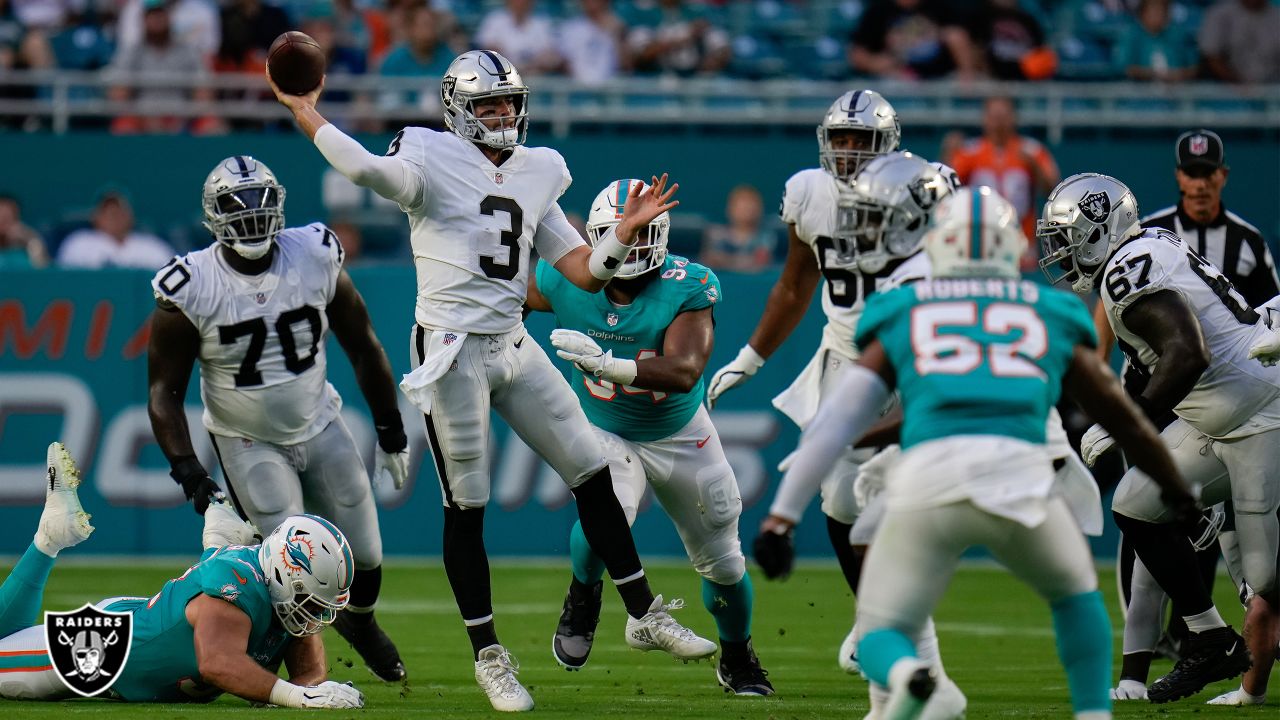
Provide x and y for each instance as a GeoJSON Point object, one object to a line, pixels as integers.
{"type": "Point", "coordinates": [522, 37]}
{"type": "Point", "coordinates": [85, 44]}
{"type": "Point", "coordinates": [744, 244]}
{"type": "Point", "coordinates": [591, 43]}
{"type": "Point", "coordinates": [159, 53]}
{"type": "Point", "coordinates": [1016, 166]}
{"type": "Point", "coordinates": [195, 24]}
{"type": "Point", "coordinates": [911, 39]}
{"type": "Point", "coordinates": [112, 241]}
{"type": "Point", "coordinates": [45, 15]}
{"type": "Point", "coordinates": [20, 246]}
{"type": "Point", "coordinates": [1152, 48]}
{"type": "Point", "coordinates": [339, 59]}
{"type": "Point", "coordinates": [1240, 41]}
{"type": "Point", "coordinates": [1011, 43]}
{"type": "Point", "coordinates": [248, 29]}
{"type": "Point", "coordinates": [361, 29]}
{"type": "Point", "coordinates": [422, 55]}
{"type": "Point", "coordinates": [683, 42]}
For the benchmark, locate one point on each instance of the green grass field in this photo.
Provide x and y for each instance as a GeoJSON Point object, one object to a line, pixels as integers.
{"type": "Point", "coordinates": [996, 640]}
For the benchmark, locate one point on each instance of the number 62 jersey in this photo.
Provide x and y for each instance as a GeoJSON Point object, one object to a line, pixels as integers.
{"type": "Point", "coordinates": [1235, 396]}
{"type": "Point", "coordinates": [262, 354]}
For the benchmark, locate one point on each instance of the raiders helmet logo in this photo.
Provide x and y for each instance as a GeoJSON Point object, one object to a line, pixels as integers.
{"type": "Point", "coordinates": [1199, 145]}
{"type": "Point", "coordinates": [446, 90]}
{"type": "Point", "coordinates": [924, 192]}
{"type": "Point", "coordinates": [88, 647]}
{"type": "Point", "coordinates": [1096, 206]}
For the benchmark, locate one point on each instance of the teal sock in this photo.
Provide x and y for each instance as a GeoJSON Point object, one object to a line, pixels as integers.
{"type": "Point", "coordinates": [731, 606]}
{"type": "Point", "coordinates": [588, 568]}
{"type": "Point", "coordinates": [880, 649]}
{"type": "Point", "coordinates": [1084, 647]}
{"type": "Point", "coordinates": [23, 591]}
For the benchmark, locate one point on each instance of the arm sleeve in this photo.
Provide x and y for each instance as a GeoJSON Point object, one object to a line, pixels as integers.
{"type": "Point", "coordinates": [555, 237]}
{"type": "Point", "coordinates": [843, 416]}
{"type": "Point", "coordinates": [391, 177]}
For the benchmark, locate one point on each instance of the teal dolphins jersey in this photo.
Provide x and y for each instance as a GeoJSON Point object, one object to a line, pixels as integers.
{"type": "Point", "coordinates": [162, 661]}
{"type": "Point", "coordinates": [634, 332]}
{"type": "Point", "coordinates": [976, 356]}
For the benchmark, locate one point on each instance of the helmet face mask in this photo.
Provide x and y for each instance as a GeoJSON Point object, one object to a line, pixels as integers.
{"type": "Point", "coordinates": [1085, 218]}
{"type": "Point", "coordinates": [474, 80]}
{"type": "Point", "coordinates": [888, 209]}
{"type": "Point", "coordinates": [650, 251]}
{"type": "Point", "coordinates": [309, 568]}
{"type": "Point", "coordinates": [858, 127]}
{"type": "Point", "coordinates": [244, 206]}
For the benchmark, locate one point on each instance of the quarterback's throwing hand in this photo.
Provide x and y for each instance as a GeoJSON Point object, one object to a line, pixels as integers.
{"type": "Point", "coordinates": [294, 102]}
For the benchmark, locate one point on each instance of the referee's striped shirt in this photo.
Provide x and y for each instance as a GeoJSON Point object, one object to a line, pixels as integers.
{"type": "Point", "coordinates": [1233, 246]}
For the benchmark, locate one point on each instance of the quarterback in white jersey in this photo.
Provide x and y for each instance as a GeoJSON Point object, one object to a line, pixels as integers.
{"type": "Point", "coordinates": [478, 202]}
{"type": "Point", "coordinates": [253, 309]}
{"type": "Point", "coordinates": [1182, 323]}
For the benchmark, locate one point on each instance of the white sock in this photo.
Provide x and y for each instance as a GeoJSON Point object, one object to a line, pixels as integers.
{"type": "Point", "coordinates": [1094, 715]}
{"type": "Point", "coordinates": [1207, 620]}
{"type": "Point", "coordinates": [927, 647]}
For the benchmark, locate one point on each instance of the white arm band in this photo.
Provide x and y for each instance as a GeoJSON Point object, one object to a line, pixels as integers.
{"type": "Point", "coordinates": [843, 417]}
{"type": "Point", "coordinates": [607, 256]}
{"type": "Point", "coordinates": [286, 694]}
{"type": "Point", "coordinates": [390, 177]}
{"type": "Point", "coordinates": [620, 370]}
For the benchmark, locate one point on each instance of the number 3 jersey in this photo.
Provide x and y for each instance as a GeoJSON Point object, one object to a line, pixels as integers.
{"type": "Point", "coordinates": [976, 356]}
{"type": "Point", "coordinates": [633, 332]}
{"type": "Point", "coordinates": [262, 354]}
{"type": "Point", "coordinates": [1235, 396]}
{"type": "Point", "coordinates": [810, 203]}
{"type": "Point", "coordinates": [474, 224]}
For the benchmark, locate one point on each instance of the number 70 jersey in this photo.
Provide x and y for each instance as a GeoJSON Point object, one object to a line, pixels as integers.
{"type": "Point", "coordinates": [1231, 394]}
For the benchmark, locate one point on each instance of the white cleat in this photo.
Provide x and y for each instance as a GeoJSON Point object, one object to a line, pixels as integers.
{"type": "Point", "coordinates": [1129, 690]}
{"type": "Point", "coordinates": [911, 683]}
{"type": "Point", "coordinates": [223, 527]}
{"type": "Point", "coordinates": [848, 658]}
{"type": "Point", "coordinates": [496, 672]}
{"type": "Point", "coordinates": [64, 523]}
{"type": "Point", "coordinates": [946, 703]}
{"type": "Point", "coordinates": [1238, 698]}
{"type": "Point", "coordinates": [657, 630]}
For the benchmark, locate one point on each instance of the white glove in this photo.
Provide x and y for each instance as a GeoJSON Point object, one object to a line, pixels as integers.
{"type": "Point", "coordinates": [871, 475]}
{"type": "Point", "coordinates": [1129, 690]}
{"type": "Point", "coordinates": [1267, 350]}
{"type": "Point", "coordinates": [1094, 443]}
{"type": "Point", "coordinates": [390, 468]}
{"type": "Point", "coordinates": [588, 357]}
{"type": "Point", "coordinates": [734, 374]}
{"type": "Point", "coordinates": [326, 695]}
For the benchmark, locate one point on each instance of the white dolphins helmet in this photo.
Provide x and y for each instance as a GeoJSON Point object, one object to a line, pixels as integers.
{"type": "Point", "coordinates": [478, 75]}
{"type": "Point", "coordinates": [864, 111]}
{"type": "Point", "coordinates": [1084, 219]}
{"type": "Point", "coordinates": [884, 214]}
{"type": "Point", "coordinates": [309, 568]}
{"type": "Point", "coordinates": [650, 250]}
{"type": "Point", "coordinates": [975, 233]}
{"type": "Point", "coordinates": [243, 206]}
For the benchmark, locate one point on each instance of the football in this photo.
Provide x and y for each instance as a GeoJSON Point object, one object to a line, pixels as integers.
{"type": "Point", "coordinates": [296, 62]}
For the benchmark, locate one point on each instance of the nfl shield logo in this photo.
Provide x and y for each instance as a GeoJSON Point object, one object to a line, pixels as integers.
{"type": "Point", "coordinates": [1096, 206]}
{"type": "Point", "coordinates": [612, 319]}
{"type": "Point", "coordinates": [449, 338]}
{"type": "Point", "coordinates": [497, 178]}
{"type": "Point", "coordinates": [261, 298]}
{"type": "Point", "coordinates": [88, 647]}
{"type": "Point", "coordinates": [1199, 145]}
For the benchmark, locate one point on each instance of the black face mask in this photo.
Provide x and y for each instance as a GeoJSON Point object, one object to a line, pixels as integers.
{"type": "Point", "coordinates": [241, 206]}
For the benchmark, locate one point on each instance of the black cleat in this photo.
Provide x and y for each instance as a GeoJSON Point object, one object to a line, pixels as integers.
{"type": "Point", "coordinates": [741, 673]}
{"type": "Point", "coordinates": [577, 629]}
{"type": "Point", "coordinates": [1207, 657]}
{"type": "Point", "coordinates": [373, 645]}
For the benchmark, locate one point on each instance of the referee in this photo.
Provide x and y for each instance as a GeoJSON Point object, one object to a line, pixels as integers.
{"type": "Point", "coordinates": [1237, 249]}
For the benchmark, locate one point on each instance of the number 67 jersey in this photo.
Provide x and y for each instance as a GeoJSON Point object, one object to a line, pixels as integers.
{"type": "Point", "coordinates": [262, 354]}
{"type": "Point", "coordinates": [1235, 396]}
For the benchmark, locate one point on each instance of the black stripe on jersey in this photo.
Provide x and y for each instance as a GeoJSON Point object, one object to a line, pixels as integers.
{"type": "Point", "coordinates": [498, 69]}
{"type": "Point", "coordinates": [244, 168]}
{"type": "Point", "coordinates": [231, 489]}
{"type": "Point", "coordinates": [437, 455]}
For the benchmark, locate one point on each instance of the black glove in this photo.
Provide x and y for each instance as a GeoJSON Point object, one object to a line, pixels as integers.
{"type": "Point", "coordinates": [196, 483]}
{"type": "Point", "coordinates": [390, 430]}
{"type": "Point", "coordinates": [775, 553]}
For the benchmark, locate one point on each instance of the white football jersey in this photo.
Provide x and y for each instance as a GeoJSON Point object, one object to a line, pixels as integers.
{"type": "Point", "coordinates": [473, 226]}
{"type": "Point", "coordinates": [1236, 396]}
{"type": "Point", "coordinates": [809, 203]}
{"type": "Point", "coordinates": [262, 355]}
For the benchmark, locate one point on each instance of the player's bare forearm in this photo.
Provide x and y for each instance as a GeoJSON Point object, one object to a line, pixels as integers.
{"type": "Point", "coordinates": [686, 348]}
{"type": "Point", "coordinates": [220, 631]}
{"type": "Point", "coordinates": [1165, 322]}
{"type": "Point", "coordinates": [303, 107]}
{"type": "Point", "coordinates": [576, 268]}
{"type": "Point", "coordinates": [171, 354]}
{"type": "Point", "coordinates": [1094, 387]}
{"type": "Point", "coordinates": [789, 298]}
{"type": "Point", "coordinates": [1106, 337]}
{"type": "Point", "coordinates": [349, 320]}
{"type": "Point", "coordinates": [305, 661]}
{"type": "Point", "coordinates": [309, 120]}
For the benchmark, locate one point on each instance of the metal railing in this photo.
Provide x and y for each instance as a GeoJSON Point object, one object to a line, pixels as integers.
{"type": "Point", "coordinates": [56, 99]}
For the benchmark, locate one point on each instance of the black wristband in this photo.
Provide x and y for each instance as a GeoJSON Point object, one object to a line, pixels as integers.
{"type": "Point", "coordinates": [390, 430]}
{"type": "Point", "coordinates": [185, 467]}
